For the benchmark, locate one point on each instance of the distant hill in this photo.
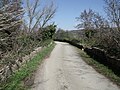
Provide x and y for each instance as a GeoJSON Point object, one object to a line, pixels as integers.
{"type": "Point", "coordinates": [72, 34]}
{"type": "Point", "coordinates": [77, 33]}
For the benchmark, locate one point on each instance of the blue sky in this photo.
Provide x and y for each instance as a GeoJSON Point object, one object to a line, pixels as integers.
{"type": "Point", "coordinates": [69, 9]}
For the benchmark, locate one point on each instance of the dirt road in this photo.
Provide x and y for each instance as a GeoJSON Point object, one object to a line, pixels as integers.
{"type": "Point", "coordinates": [65, 70]}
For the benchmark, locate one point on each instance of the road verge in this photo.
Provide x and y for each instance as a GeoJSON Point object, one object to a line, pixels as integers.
{"type": "Point", "coordinates": [16, 81]}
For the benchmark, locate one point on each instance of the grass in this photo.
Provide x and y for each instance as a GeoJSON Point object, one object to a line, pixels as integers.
{"type": "Point", "coordinates": [14, 82]}
{"type": "Point", "coordinates": [104, 70]}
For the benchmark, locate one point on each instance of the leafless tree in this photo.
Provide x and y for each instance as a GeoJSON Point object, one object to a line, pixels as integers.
{"type": "Point", "coordinates": [86, 19]}
{"type": "Point", "coordinates": [112, 9]}
{"type": "Point", "coordinates": [91, 20]}
{"type": "Point", "coordinates": [37, 14]}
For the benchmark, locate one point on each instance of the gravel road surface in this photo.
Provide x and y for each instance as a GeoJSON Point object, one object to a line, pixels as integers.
{"type": "Point", "coordinates": [65, 70]}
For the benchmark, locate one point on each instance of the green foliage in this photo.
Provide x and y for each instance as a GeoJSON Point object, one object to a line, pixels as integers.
{"type": "Point", "coordinates": [48, 32]}
{"type": "Point", "coordinates": [60, 34]}
{"type": "Point", "coordinates": [64, 35]}
{"type": "Point", "coordinates": [46, 42]}
{"type": "Point", "coordinates": [89, 33]}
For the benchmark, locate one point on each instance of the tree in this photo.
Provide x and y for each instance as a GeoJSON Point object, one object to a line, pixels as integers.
{"type": "Point", "coordinates": [86, 19]}
{"type": "Point", "coordinates": [48, 32]}
{"type": "Point", "coordinates": [91, 21]}
{"type": "Point", "coordinates": [112, 9]}
{"type": "Point", "coordinates": [38, 15]}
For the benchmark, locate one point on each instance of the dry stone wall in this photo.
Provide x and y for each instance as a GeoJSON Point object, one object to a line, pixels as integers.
{"type": "Point", "coordinates": [7, 70]}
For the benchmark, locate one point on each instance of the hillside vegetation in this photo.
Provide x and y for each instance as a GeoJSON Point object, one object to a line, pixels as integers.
{"type": "Point", "coordinates": [22, 30]}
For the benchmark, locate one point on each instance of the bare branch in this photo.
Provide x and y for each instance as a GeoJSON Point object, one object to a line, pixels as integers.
{"type": "Point", "coordinates": [38, 15]}
{"type": "Point", "coordinates": [113, 11]}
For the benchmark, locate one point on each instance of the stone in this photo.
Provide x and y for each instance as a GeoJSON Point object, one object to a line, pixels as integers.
{"type": "Point", "coordinates": [14, 67]}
